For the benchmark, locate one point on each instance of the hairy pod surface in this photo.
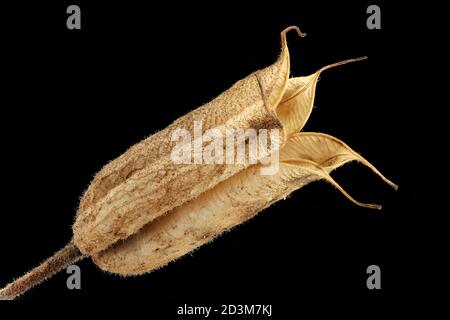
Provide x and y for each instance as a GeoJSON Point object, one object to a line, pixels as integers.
{"type": "Point", "coordinates": [144, 183]}
{"type": "Point", "coordinates": [143, 210]}
{"type": "Point", "coordinates": [306, 157]}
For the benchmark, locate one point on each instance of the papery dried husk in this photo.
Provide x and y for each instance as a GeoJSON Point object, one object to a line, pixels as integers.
{"type": "Point", "coordinates": [144, 182]}
{"type": "Point", "coordinates": [305, 158]}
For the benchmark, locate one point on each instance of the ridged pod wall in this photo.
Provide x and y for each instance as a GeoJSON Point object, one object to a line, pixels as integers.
{"type": "Point", "coordinates": [142, 210]}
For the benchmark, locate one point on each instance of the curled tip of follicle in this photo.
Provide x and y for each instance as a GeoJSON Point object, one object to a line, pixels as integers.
{"type": "Point", "coordinates": [340, 63]}
{"type": "Point", "coordinates": [374, 170]}
{"type": "Point", "coordinates": [283, 34]}
{"type": "Point", "coordinates": [316, 169]}
{"type": "Point", "coordinates": [361, 204]}
{"type": "Point", "coordinates": [299, 32]}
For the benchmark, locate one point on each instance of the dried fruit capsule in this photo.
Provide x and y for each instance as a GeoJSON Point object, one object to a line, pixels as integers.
{"type": "Point", "coordinates": [144, 182]}
{"type": "Point", "coordinates": [304, 159]}
{"type": "Point", "coordinates": [143, 210]}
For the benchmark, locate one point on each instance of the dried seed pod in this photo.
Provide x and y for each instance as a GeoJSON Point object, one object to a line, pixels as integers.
{"type": "Point", "coordinates": [144, 182]}
{"type": "Point", "coordinates": [143, 210]}
{"type": "Point", "coordinates": [305, 157]}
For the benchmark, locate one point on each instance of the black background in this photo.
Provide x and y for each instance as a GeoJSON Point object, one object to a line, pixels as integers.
{"type": "Point", "coordinates": [74, 99]}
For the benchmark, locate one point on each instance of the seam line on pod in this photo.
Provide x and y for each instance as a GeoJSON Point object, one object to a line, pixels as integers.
{"type": "Point", "coordinates": [261, 90]}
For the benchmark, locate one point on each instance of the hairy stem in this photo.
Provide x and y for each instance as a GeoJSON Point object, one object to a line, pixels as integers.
{"type": "Point", "coordinates": [60, 260]}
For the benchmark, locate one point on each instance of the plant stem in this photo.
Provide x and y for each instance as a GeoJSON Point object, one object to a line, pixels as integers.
{"type": "Point", "coordinates": [60, 260]}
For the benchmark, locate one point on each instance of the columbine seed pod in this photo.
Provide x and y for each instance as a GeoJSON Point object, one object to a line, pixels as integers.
{"type": "Point", "coordinates": [305, 158]}
{"type": "Point", "coordinates": [142, 210]}
{"type": "Point", "coordinates": [144, 182]}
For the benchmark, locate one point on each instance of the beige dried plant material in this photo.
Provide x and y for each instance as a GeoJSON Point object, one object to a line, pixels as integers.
{"type": "Point", "coordinates": [306, 157]}
{"type": "Point", "coordinates": [142, 210]}
{"type": "Point", "coordinates": [144, 183]}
